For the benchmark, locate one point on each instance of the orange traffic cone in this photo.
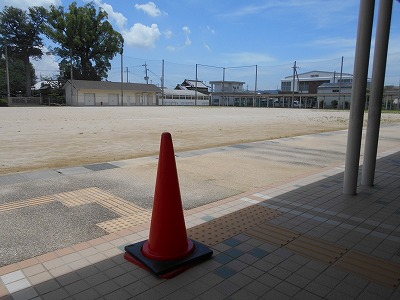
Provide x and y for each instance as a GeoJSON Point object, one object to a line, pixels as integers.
{"type": "Point", "coordinates": [168, 251]}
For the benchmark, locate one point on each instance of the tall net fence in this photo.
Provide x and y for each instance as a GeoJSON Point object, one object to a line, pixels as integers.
{"type": "Point", "coordinates": [255, 77]}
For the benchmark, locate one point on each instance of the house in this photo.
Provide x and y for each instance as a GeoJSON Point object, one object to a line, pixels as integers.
{"type": "Point", "coordinates": [193, 85]}
{"type": "Point", "coordinates": [331, 93]}
{"type": "Point", "coordinates": [183, 97]}
{"type": "Point", "coordinates": [225, 93]}
{"type": "Point", "coordinates": [105, 93]}
{"type": "Point", "coordinates": [309, 82]}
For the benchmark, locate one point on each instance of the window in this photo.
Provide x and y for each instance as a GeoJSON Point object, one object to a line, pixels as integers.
{"type": "Point", "coordinates": [335, 91]}
{"type": "Point", "coordinates": [286, 85]}
{"type": "Point", "coordinates": [303, 87]}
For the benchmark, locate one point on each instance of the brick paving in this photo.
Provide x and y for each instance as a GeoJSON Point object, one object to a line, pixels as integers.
{"type": "Point", "coordinates": [299, 240]}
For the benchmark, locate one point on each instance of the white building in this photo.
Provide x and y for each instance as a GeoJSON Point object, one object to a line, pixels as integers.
{"type": "Point", "coordinates": [310, 81]}
{"type": "Point", "coordinates": [183, 97]}
{"type": "Point", "coordinates": [331, 93]}
{"type": "Point", "coordinates": [105, 93]}
{"type": "Point", "coordinates": [225, 93]}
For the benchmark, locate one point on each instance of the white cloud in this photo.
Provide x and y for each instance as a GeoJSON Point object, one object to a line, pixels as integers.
{"type": "Point", "coordinates": [117, 17]}
{"type": "Point", "coordinates": [138, 35]}
{"type": "Point", "coordinates": [312, 10]}
{"type": "Point", "coordinates": [170, 48]}
{"type": "Point", "coordinates": [46, 66]}
{"type": "Point", "coordinates": [168, 34]}
{"type": "Point", "coordinates": [244, 58]}
{"type": "Point", "coordinates": [207, 47]}
{"type": "Point", "coordinates": [150, 8]}
{"type": "Point", "coordinates": [24, 4]}
{"type": "Point", "coordinates": [210, 30]}
{"type": "Point", "coordinates": [142, 36]}
{"type": "Point", "coordinates": [335, 41]}
{"type": "Point", "coordinates": [186, 30]}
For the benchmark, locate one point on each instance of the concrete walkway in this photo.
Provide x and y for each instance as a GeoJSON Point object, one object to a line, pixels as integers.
{"type": "Point", "coordinates": [299, 238]}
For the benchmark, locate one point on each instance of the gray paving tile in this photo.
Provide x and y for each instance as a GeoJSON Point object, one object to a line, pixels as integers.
{"type": "Point", "coordinates": [47, 286]}
{"type": "Point", "coordinates": [225, 272]}
{"type": "Point", "coordinates": [257, 288]}
{"type": "Point", "coordinates": [28, 293]}
{"type": "Point", "coordinates": [60, 293]}
{"type": "Point", "coordinates": [45, 174]}
{"type": "Point", "coordinates": [243, 294]}
{"type": "Point", "coordinates": [87, 295]}
{"type": "Point", "coordinates": [12, 179]}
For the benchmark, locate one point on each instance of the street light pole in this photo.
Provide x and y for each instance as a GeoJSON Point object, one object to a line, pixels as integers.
{"type": "Point", "coordinates": [7, 77]}
{"type": "Point", "coordinates": [72, 92]}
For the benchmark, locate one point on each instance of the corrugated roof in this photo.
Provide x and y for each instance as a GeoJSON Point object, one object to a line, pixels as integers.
{"type": "Point", "coordinates": [336, 85]}
{"type": "Point", "coordinates": [107, 85]}
{"type": "Point", "coordinates": [182, 92]}
{"type": "Point", "coordinates": [200, 84]}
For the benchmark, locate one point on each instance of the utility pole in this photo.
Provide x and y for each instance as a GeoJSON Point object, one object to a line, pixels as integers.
{"type": "Point", "coordinates": [146, 77]}
{"type": "Point", "coordinates": [255, 89]}
{"type": "Point", "coordinates": [162, 83]}
{"type": "Point", "coordinates": [72, 86]}
{"type": "Point", "coordinates": [340, 85]}
{"type": "Point", "coordinates": [195, 89]}
{"type": "Point", "coordinates": [294, 81]}
{"type": "Point", "coordinates": [122, 79]}
{"type": "Point", "coordinates": [223, 85]}
{"type": "Point", "coordinates": [7, 77]}
{"type": "Point", "coordinates": [127, 72]}
{"type": "Point", "coordinates": [398, 97]}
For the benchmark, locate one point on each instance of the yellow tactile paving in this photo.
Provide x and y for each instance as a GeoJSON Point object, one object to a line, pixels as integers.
{"type": "Point", "coordinates": [115, 225]}
{"type": "Point", "coordinates": [364, 265]}
{"type": "Point", "coordinates": [231, 224]}
{"type": "Point", "coordinates": [274, 234]}
{"type": "Point", "coordinates": [26, 203]}
{"type": "Point", "coordinates": [372, 268]}
{"type": "Point", "coordinates": [130, 213]}
{"type": "Point", "coordinates": [316, 249]}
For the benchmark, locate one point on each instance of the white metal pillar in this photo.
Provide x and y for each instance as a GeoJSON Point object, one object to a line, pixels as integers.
{"type": "Point", "coordinates": [358, 93]}
{"type": "Point", "coordinates": [375, 99]}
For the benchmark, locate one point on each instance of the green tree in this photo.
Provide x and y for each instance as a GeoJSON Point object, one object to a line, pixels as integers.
{"type": "Point", "coordinates": [85, 38]}
{"type": "Point", "coordinates": [16, 69]}
{"type": "Point", "coordinates": [20, 31]}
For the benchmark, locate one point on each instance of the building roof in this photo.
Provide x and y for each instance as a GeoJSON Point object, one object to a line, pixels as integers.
{"type": "Point", "coordinates": [226, 81]}
{"type": "Point", "coordinates": [192, 83]}
{"type": "Point", "coordinates": [335, 85]}
{"type": "Point", "coordinates": [321, 75]}
{"type": "Point", "coordinates": [108, 85]}
{"type": "Point", "coordinates": [182, 92]}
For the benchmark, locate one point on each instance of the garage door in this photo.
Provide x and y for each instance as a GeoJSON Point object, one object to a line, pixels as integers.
{"type": "Point", "coordinates": [113, 99]}
{"type": "Point", "coordinates": [89, 99]}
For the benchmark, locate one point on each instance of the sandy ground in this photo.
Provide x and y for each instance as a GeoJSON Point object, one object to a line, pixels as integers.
{"type": "Point", "coordinates": [54, 137]}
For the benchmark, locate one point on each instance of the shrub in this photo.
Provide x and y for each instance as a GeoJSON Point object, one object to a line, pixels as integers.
{"type": "Point", "coordinates": [3, 102]}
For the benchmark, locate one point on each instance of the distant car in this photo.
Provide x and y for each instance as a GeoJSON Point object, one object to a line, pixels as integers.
{"type": "Point", "coordinates": [296, 103]}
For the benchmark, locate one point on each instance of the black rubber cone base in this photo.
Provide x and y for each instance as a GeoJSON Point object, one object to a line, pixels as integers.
{"type": "Point", "coordinates": [167, 268]}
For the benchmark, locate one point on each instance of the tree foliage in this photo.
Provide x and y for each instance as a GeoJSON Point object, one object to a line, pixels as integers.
{"type": "Point", "coordinates": [16, 70]}
{"type": "Point", "coordinates": [84, 36]}
{"type": "Point", "coordinates": [20, 31]}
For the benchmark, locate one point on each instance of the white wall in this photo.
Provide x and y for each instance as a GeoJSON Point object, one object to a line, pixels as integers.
{"type": "Point", "coordinates": [185, 102]}
{"type": "Point", "coordinates": [112, 98]}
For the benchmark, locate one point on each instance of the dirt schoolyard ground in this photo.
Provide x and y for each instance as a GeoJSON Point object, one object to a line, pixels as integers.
{"type": "Point", "coordinates": [53, 137]}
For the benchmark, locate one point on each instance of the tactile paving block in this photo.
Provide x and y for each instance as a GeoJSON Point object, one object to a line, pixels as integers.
{"type": "Point", "coordinates": [125, 222]}
{"type": "Point", "coordinates": [218, 230]}
{"type": "Point", "coordinates": [25, 203]}
{"type": "Point", "coordinates": [316, 249]}
{"type": "Point", "coordinates": [273, 234]}
{"type": "Point", "coordinates": [371, 268]}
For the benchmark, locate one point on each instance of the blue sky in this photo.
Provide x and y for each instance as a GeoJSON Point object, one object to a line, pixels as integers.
{"type": "Point", "coordinates": [271, 34]}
